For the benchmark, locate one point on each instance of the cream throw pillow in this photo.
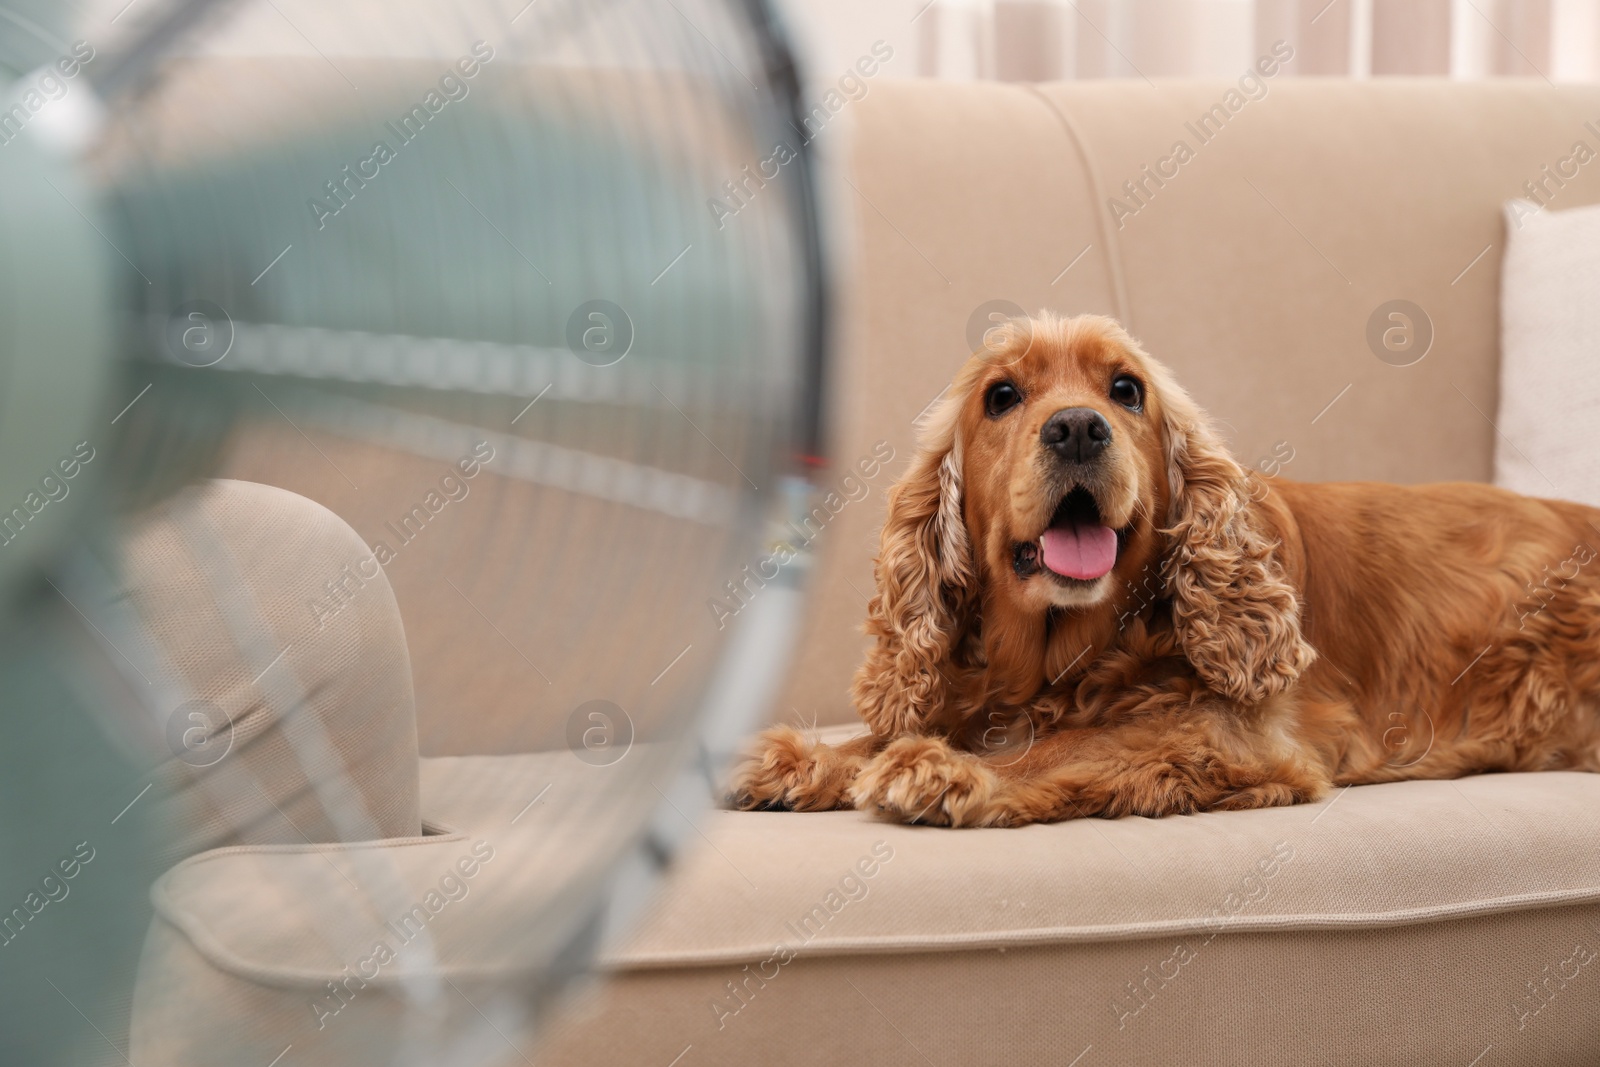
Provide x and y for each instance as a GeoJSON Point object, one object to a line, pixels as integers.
{"type": "Point", "coordinates": [1549, 422]}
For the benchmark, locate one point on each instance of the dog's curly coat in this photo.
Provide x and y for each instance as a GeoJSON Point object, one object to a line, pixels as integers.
{"type": "Point", "coordinates": [1255, 642]}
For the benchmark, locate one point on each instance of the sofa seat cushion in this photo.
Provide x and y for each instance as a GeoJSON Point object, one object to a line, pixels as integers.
{"type": "Point", "coordinates": [847, 883]}
{"type": "Point", "coordinates": [1369, 856]}
{"type": "Point", "coordinates": [1415, 923]}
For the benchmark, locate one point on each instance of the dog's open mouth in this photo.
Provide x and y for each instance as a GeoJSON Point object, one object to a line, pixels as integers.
{"type": "Point", "coordinates": [1077, 545]}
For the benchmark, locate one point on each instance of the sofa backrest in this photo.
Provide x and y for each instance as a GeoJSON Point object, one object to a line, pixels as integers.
{"type": "Point", "coordinates": [1251, 260]}
{"type": "Point", "coordinates": [1252, 267]}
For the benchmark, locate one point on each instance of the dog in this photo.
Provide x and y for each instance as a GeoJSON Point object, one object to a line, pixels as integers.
{"type": "Point", "coordinates": [1085, 606]}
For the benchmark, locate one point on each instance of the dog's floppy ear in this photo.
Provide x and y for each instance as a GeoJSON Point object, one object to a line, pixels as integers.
{"type": "Point", "coordinates": [924, 597]}
{"type": "Point", "coordinates": [1236, 615]}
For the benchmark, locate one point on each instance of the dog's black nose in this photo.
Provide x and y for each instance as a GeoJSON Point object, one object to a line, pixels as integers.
{"type": "Point", "coordinates": [1076, 434]}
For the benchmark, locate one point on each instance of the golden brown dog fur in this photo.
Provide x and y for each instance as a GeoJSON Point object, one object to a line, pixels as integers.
{"type": "Point", "coordinates": [1258, 642]}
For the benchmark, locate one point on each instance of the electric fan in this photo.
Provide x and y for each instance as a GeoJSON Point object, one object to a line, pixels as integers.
{"type": "Point", "coordinates": [521, 292]}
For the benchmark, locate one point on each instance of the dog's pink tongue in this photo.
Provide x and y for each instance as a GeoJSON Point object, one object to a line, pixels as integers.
{"type": "Point", "coordinates": [1080, 550]}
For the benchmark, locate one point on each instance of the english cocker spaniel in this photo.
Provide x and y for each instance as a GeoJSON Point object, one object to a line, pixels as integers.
{"type": "Point", "coordinates": [1086, 606]}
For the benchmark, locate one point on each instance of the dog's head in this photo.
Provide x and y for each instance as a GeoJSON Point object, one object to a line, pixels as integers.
{"type": "Point", "coordinates": [1065, 478]}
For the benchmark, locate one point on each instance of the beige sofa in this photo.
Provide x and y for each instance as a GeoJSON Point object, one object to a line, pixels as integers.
{"type": "Point", "coordinates": [1416, 923]}
{"type": "Point", "coordinates": [1448, 923]}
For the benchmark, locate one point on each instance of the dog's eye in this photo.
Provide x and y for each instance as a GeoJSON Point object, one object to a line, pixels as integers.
{"type": "Point", "coordinates": [1001, 398]}
{"type": "Point", "coordinates": [1126, 391]}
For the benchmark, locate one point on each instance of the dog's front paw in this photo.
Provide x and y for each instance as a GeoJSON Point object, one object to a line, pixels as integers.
{"type": "Point", "coordinates": [924, 780]}
{"type": "Point", "coordinates": [787, 772]}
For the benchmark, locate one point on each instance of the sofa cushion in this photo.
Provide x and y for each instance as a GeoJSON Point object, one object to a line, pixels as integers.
{"type": "Point", "coordinates": [1442, 994]}
{"type": "Point", "coordinates": [1550, 353]}
{"type": "Point", "coordinates": [1225, 938]}
{"type": "Point", "coordinates": [1370, 856]}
